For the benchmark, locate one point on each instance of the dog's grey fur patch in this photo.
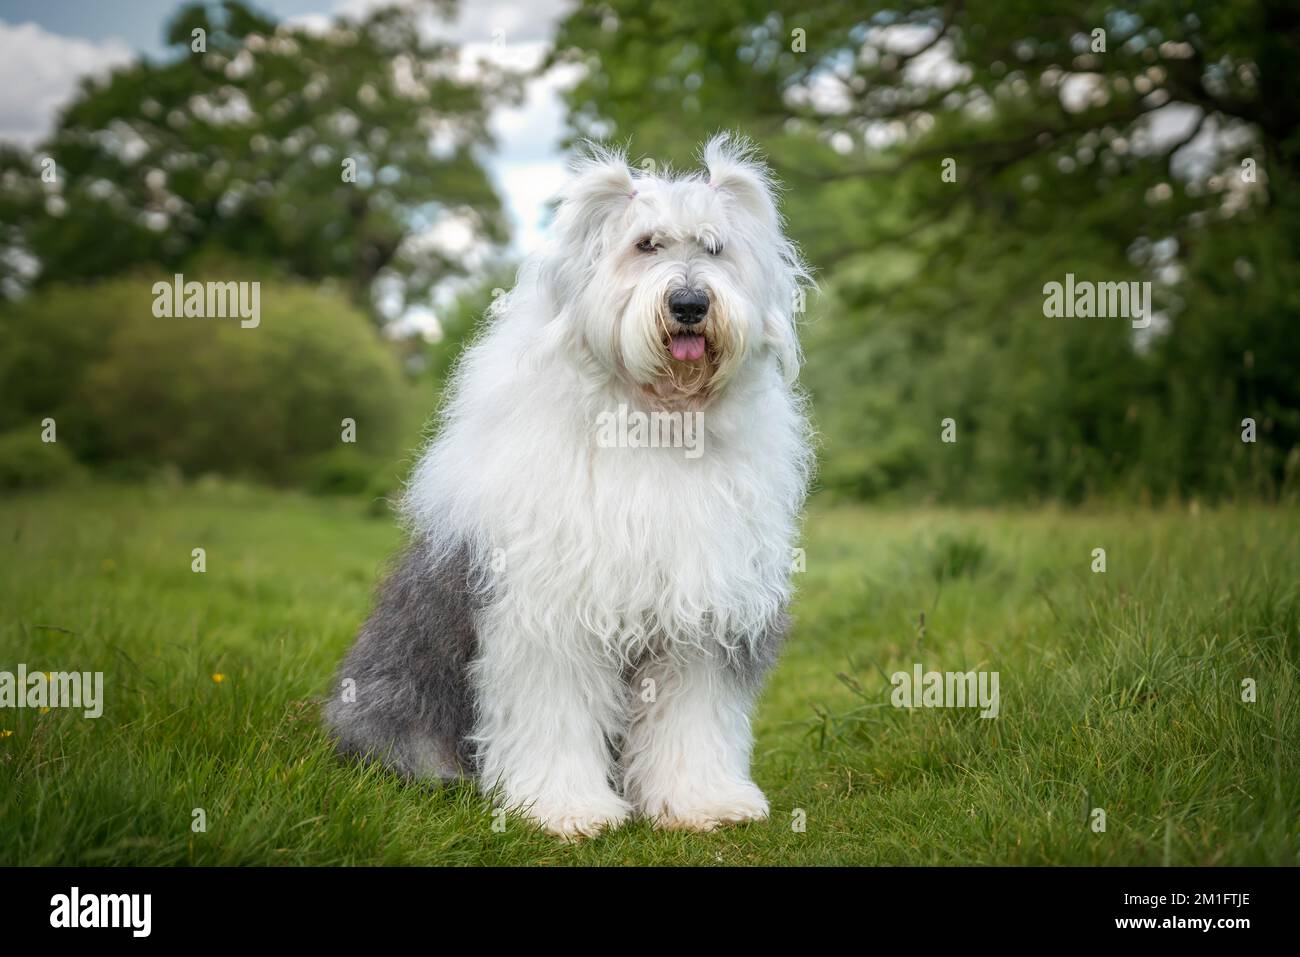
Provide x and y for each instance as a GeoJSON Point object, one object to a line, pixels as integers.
{"type": "Point", "coordinates": [413, 708]}
{"type": "Point", "coordinates": [749, 662]}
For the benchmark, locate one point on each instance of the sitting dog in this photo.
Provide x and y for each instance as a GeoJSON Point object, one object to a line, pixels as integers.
{"type": "Point", "coordinates": [602, 530]}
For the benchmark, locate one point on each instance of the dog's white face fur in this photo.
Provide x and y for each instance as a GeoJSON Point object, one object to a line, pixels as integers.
{"type": "Point", "coordinates": [624, 245]}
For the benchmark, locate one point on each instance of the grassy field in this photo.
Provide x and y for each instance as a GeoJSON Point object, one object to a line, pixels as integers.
{"type": "Point", "coordinates": [1120, 691]}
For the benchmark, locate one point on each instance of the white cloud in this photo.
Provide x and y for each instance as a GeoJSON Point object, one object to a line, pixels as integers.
{"type": "Point", "coordinates": [39, 73]}
{"type": "Point", "coordinates": [528, 166]}
{"type": "Point", "coordinates": [314, 23]}
{"type": "Point", "coordinates": [529, 187]}
{"type": "Point", "coordinates": [501, 21]}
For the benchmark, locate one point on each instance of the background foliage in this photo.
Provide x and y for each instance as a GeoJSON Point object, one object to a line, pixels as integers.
{"type": "Point", "coordinates": [1126, 163]}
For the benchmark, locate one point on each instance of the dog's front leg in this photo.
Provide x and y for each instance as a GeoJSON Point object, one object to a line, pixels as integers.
{"type": "Point", "coordinates": [686, 763]}
{"type": "Point", "coordinates": [544, 719]}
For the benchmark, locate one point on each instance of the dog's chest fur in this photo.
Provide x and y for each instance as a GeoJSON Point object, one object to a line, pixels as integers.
{"type": "Point", "coordinates": [634, 546]}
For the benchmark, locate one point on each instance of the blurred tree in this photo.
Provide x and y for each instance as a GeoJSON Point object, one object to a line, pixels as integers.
{"type": "Point", "coordinates": [329, 153]}
{"type": "Point", "coordinates": [945, 161]}
{"type": "Point", "coordinates": [22, 199]}
{"type": "Point", "coordinates": [461, 319]}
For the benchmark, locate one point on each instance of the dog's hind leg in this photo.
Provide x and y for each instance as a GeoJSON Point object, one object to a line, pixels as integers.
{"type": "Point", "coordinates": [402, 694]}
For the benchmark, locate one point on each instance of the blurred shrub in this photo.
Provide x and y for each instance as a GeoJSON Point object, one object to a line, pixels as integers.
{"type": "Point", "coordinates": [27, 462]}
{"type": "Point", "coordinates": [132, 392]}
{"type": "Point", "coordinates": [341, 472]}
{"type": "Point", "coordinates": [960, 555]}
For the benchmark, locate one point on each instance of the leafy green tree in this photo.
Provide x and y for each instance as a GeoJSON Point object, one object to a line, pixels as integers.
{"type": "Point", "coordinates": [330, 154]}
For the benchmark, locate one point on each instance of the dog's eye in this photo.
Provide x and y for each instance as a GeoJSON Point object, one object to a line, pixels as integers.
{"type": "Point", "coordinates": [714, 249]}
{"type": "Point", "coordinates": [647, 245]}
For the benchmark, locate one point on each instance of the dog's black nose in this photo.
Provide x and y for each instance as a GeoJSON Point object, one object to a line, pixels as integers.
{"type": "Point", "coordinates": [688, 306]}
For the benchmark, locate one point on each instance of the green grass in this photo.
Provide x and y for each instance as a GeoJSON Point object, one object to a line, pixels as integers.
{"type": "Point", "coordinates": [1120, 691]}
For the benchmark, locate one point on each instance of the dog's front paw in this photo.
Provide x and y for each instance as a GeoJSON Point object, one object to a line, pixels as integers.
{"type": "Point", "coordinates": [572, 821]}
{"type": "Point", "coordinates": [707, 811]}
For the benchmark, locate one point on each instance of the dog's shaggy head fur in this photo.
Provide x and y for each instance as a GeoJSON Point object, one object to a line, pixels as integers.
{"type": "Point", "coordinates": [671, 283]}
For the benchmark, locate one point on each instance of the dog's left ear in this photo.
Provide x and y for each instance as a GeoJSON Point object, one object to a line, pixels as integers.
{"type": "Point", "coordinates": [735, 170]}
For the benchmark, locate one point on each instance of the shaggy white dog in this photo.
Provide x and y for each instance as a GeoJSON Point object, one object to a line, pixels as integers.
{"type": "Point", "coordinates": [586, 612]}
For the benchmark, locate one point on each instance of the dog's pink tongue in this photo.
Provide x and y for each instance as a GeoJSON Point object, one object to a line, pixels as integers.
{"type": "Point", "coordinates": [687, 348]}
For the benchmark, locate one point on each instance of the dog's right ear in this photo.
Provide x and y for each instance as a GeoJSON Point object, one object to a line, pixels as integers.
{"type": "Point", "coordinates": [600, 189]}
{"type": "Point", "coordinates": [601, 186]}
